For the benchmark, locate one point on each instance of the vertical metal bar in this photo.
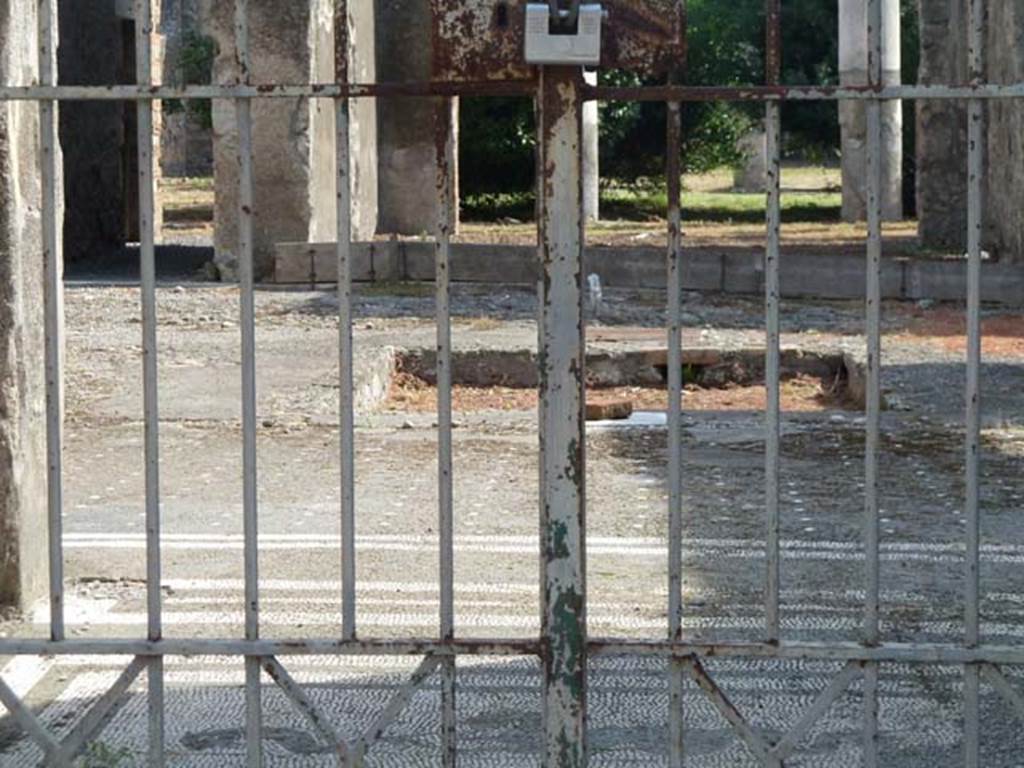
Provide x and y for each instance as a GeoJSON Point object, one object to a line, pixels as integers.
{"type": "Point", "coordinates": [972, 427]}
{"type": "Point", "coordinates": [873, 408]}
{"type": "Point", "coordinates": [673, 173]}
{"type": "Point", "coordinates": [773, 217]}
{"type": "Point", "coordinates": [147, 269]}
{"type": "Point", "coordinates": [243, 107]}
{"type": "Point", "coordinates": [562, 438]}
{"type": "Point", "coordinates": [771, 375]}
{"type": "Point", "coordinates": [345, 368]}
{"type": "Point", "coordinates": [53, 299]}
{"type": "Point", "coordinates": [445, 128]}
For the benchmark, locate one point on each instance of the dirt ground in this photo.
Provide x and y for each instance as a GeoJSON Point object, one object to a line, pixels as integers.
{"type": "Point", "coordinates": [496, 548]}
{"type": "Point", "coordinates": [802, 393]}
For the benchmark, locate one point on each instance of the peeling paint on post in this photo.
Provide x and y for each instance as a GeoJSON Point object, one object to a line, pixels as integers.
{"type": "Point", "coordinates": [563, 582]}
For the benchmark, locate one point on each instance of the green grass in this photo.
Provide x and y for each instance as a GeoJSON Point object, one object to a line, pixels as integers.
{"type": "Point", "coordinates": [645, 203]}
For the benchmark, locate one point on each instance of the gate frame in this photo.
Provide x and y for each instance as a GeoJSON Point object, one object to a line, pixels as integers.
{"type": "Point", "coordinates": [564, 646]}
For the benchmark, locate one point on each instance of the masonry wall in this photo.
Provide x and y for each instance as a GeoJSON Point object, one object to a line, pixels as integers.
{"type": "Point", "coordinates": [942, 131]}
{"type": "Point", "coordinates": [22, 403]}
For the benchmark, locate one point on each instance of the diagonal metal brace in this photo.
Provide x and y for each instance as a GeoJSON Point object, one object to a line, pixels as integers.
{"type": "Point", "coordinates": [293, 691]}
{"type": "Point", "coordinates": [350, 754]}
{"type": "Point", "coordinates": [101, 713]}
{"type": "Point", "coordinates": [786, 746]}
{"type": "Point", "coordinates": [747, 733]}
{"type": "Point", "coordinates": [31, 725]}
{"type": "Point", "coordinates": [994, 676]}
{"type": "Point", "coordinates": [394, 708]}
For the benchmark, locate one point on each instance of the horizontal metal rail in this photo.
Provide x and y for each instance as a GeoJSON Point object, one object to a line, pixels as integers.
{"type": "Point", "coordinates": [525, 88]}
{"type": "Point", "coordinates": [896, 653]}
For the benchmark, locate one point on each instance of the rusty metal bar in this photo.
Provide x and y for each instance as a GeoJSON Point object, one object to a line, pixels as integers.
{"type": "Point", "coordinates": [873, 405]}
{"type": "Point", "coordinates": [972, 425]}
{"type": "Point", "coordinates": [246, 212]}
{"type": "Point", "coordinates": [677, 671]}
{"type": "Point", "coordinates": [562, 431]}
{"type": "Point", "coordinates": [346, 403]}
{"type": "Point", "coordinates": [773, 217]}
{"type": "Point", "coordinates": [147, 271]}
{"type": "Point", "coordinates": [663, 93]}
{"type": "Point", "coordinates": [53, 300]}
{"type": "Point", "coordinates": [445, 128]}
{"type": "Point", "coordinates": [904, 653]}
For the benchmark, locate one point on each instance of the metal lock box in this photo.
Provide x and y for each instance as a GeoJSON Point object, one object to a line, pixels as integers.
{"type": "Point", "coordinates": [481, 41]}
{"type": "Point", "coordinates": [582, 47]}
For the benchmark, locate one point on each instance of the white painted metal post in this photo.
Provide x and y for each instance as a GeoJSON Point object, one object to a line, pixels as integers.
{"type": "Point", "coordinates": [874, 382]}
{"type": "Point", "coordinates": [444, 143]}
{"type": "Point", "coordinates": [673, 172]}
{"type": "Point", "coordinates": [147, 269]}
{"type": "Point", "coordinates": [562, 431]}
{"type": "Point", "coordinates": [346, 404]}
{"type": "Point", "coordinates": [773, 222]}
{"type": "Point", "coordinates": [53, 297]}
{"type": "Point", "coordinates": [972, 426]}
{"type": "Point", "coordinates": [243, 107]}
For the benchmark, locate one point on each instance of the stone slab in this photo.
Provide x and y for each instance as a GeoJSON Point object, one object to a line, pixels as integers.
{"type": "Point", "coordinates": [832, 276]}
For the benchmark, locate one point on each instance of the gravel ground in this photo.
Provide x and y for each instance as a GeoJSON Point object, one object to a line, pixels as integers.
{"type": "Point", "coordinates": [496, 526]}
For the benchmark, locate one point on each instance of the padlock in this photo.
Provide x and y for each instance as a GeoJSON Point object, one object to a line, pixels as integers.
{"type": "Point", "coordinates": [581, 48]}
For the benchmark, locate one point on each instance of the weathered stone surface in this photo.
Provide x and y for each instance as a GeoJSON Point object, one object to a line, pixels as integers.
{"type": "Point", "coordinates": [22, 431]}
{"type": "Point", "coordinates": [186, 142]}
{"type": "Point", "coordinates": [853, 71]}
{"type": "Point", "coordinates": [1004, 199]}
{"type": "Point", "coordinates": [292, 138]}
{"type": "Point", "coordinates": [942, 128]}
{"type": "Point", "coordinates": [752, 175]}
{"type": "Point", "coordinates": [942, 131]}
{"type": "Point", "coordinates": [408, 156]}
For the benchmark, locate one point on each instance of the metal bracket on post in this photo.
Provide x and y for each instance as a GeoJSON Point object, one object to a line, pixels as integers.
{"type": "Point", "coordinates": [570, 36]}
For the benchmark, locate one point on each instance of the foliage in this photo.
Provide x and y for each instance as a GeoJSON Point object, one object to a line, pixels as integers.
{"type": "Point", "coordinates": [726, 46]}
{"type": "Point", "coordinates": [195, 67]}
{"type": "Point", "coordinates": [646, 199]}
{"type": "Point", "coordinates": [101, 755]}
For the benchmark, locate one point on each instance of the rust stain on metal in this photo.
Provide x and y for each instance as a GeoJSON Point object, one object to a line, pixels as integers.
{"type": "Point", "coordinates": [773, 41]}
{"type": "Point", "coordinates": [481, 40]}
{"type": "Point", "coordinates": [341, 41]}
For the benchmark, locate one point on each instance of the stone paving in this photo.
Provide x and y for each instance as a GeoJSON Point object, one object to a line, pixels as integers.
{"type": "Point", "coordinates": [496, 529]}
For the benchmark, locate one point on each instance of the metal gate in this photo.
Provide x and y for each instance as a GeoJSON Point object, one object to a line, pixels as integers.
{"type": "Point", "coordinates": [478, 51]}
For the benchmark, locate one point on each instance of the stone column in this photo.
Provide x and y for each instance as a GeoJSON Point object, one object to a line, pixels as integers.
{"type": "Point", "coordinates": [407, 155]}
{"type": "Point", "coordinates": [1004, 197]}
{"type": "Point", "coordinates": [293, 139]}
{"type": "Point", "coordinates": [853, 71]}
{"type": "Point", "coordinates": [941, 175]}
{"type": "Point", "coordinates": [591, 156]}
{"type": "Point", "coordinates": [23, 566]}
